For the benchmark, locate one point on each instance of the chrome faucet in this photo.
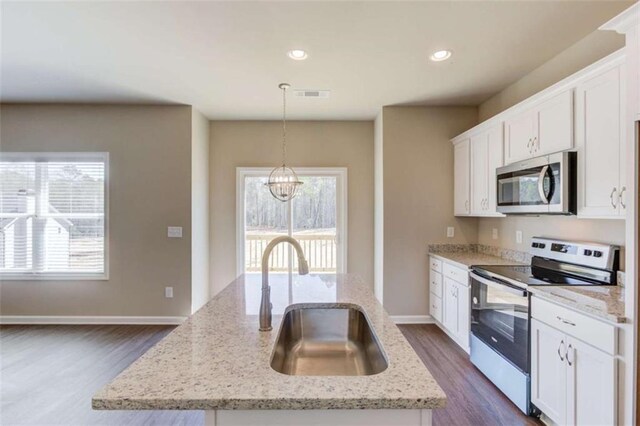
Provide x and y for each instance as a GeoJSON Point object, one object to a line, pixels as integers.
{"type": "Point", "coordinates": [265, 302]}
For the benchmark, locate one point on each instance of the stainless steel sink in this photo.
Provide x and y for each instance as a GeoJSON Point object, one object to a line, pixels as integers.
{"type": "Point", "coordinates": [327, 341]}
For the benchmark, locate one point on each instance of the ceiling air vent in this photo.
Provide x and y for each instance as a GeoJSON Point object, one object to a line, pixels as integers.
{"type": "Point", "coordinates": [311, 94]}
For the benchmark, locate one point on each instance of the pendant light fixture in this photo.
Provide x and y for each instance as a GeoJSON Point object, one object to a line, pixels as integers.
{"type": "Point", "coordinates": [283, 181]}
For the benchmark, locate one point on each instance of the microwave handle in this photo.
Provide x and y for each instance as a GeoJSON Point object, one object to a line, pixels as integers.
{"type": "Point", "coordinates": [543, 195]}
{"type": "Point", "coordinates": [499, 286]}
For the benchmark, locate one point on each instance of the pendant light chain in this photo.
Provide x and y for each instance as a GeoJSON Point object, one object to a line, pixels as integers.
{"type": "Point", "coordinates": [283, 181]}
{"type": "Point", "coordinates": [284, 124]}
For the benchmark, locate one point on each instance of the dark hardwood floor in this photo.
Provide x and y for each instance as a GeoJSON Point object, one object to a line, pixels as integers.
{"type": "Point", "coordinates": [471, 398]}
{"type": "Point", "coordinates": [49, 373]}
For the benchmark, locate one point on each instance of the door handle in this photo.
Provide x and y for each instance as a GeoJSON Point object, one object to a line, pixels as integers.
{"type": "Point", "coordinates": [624, 206]}
{"type": "Point", "coordinates": [541, 192]}
{"type": "Point", "coordinates": [569, 351]}
{"type": "Point", "coordinates": [561, 345]}
{"type": "Point", "coordinates": [536, 144]}
{"type": "Point", "coordinates": [614, 205]}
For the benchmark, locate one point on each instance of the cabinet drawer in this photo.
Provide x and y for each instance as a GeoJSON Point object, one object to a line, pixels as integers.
{"type": "Point", "coordinates": [457, 274]}
{"type": "Point", "coordinates": [436, 264]}
{"type": "Point", "coordinates": [592, 331]}
{"type": "Point", "coordinates": [435, 307]}
{"type": "Point", "coordinates": [435, 283]}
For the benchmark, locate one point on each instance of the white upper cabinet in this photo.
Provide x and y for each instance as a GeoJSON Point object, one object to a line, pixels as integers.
{"type": "Point", "coordinates": [584, 112]}
{"type": "Point", "coordinates": [600, 142]}
{"type": "Point", "coordinates": [486, 156]}
{"type": "Point", "coordinates": [519, 134]}
{"type": "Point", "coordinates": [461, 171]}
{"type": "Point", "coordinates": [543, 129]}
{"type": "Point", "coordinates": [554, 120]}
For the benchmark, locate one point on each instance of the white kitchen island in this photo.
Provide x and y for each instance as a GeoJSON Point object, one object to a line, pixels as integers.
{"type": "Point", "coordinates": [219, 362]}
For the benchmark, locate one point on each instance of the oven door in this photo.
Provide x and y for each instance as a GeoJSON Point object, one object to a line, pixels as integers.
{"type": "Point", "coordinates": [500, 318]}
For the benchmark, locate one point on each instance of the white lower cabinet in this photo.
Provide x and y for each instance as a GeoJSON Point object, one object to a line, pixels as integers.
{"type": "Point", "coordinates": [449, 300]}
{"type": "Point", "coordinates": [572, 381]}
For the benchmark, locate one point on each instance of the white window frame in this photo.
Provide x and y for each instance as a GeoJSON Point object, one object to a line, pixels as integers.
{"type": "Point", "coordinates": [340, 173]}
{"type": "Point", "coordinates": [66, 156]}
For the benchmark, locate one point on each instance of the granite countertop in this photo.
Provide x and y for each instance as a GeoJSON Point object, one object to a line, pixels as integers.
{"type": "Point", "coordinates": [469, 258]}
{"type": "Point", "coordinates": [605, 302]}
{"type": "Point", "coordinates": [218, 360]}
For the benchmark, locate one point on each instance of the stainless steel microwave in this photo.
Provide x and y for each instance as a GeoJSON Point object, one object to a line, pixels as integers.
{"type": "Point", "coordinates": [542, 185]}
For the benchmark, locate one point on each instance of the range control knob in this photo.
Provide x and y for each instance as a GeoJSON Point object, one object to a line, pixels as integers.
{"type": "Point", "coordinates": [535, 245]}
{"type": "Point", "coordinates": [588, 252]}
{"type": "Point", "coordinates": [542, 245]}
{"type": "Point", "coordinates": [597, 253]}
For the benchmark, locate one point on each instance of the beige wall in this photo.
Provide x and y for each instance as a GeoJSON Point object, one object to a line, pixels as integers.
{"type": "Point", "coordinates": [199, 210]}
{"type": "Point", "coordinates": [595, 46]}
{"type": "Point", "coordinates": [313, 143]}
{"type": "Point", "coordinates": [149, 189]}
{"type": "Point", "coordinates": [418, 198]}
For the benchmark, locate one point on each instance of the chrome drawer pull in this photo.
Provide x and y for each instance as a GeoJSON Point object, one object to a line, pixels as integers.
{"type": "Point", "coordinates": [565, 321]}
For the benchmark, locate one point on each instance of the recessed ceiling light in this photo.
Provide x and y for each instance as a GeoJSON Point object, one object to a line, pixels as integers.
{"type": "Point", "coordinates": [297, 54]}
{"type": "Point", "coordinates": [440, 55]}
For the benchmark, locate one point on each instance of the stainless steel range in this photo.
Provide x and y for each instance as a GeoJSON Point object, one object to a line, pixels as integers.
{"type": "Point", "coordinates": [500, 317]}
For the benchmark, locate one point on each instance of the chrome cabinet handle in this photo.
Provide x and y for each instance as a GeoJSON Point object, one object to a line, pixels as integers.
{"type": "Point", "coordinates": [614, 205]}
{"type": "Point", "coordinates": [566, 321]}
{"type": "Point", "coordinates": [624, 188]}
{"type": "Point", "coordinates": [559, 346]}
{"type": "Point", "coordinates": [466, 205]}
{"type": "Point", "coordinates": [536, 144]}
{"type": "Point", "coordinates": [569, 350]}
{"type": "Point", "coordinates": [529, 145]}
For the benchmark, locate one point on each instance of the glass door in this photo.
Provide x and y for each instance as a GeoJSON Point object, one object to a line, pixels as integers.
{"type": "Point", "coordinates": [316, 217]}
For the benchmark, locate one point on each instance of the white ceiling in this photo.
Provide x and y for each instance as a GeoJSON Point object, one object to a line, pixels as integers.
{"type": "Point", "coordinates": [227, 58]}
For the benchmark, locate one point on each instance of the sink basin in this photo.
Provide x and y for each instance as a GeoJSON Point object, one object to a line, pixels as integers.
{"type": "Point", "coordinates": [327, 341]}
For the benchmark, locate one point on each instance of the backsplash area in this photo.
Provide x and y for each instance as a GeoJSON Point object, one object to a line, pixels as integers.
{"type": "Point", "coordinates": [608, 231]}
{"type": "Point", "coordinates": [504, 253]}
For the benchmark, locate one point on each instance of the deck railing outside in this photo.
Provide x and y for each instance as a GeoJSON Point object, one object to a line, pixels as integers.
{"type": "Point", "coordinates": [319, 249]}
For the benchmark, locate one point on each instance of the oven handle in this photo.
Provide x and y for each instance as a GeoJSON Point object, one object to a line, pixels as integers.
{"type": "Point", "coordinates": [500, 286]}
{"type": "Point", "coordinates": [543, 195]}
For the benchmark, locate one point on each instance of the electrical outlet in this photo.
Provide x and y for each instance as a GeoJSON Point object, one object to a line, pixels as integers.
{"type": "Point", "coordinates": [174, 232]}
{"type": "Point", "coordinates": [518, 237]}
{"type": "Point", "coordinates": [494, 233]}
{"type": "Point", "coordinates": [168, 292]}
{"type": "Point", "coordinates": [450, 231]}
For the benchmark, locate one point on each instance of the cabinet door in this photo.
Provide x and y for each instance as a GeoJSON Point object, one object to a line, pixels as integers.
{"type": "Point", "coordinates": [464, 313]}
{"type": "Point", "coordinates": [479, 168]}
{"type": "Point", "coordinates": [436, 307]}
{"type": "Point", "coordinates": [554, 120]}
{"type": "Point", "coordinates": [519, 133]}
{"type": "Point", "coordinates": [450, 300]}
{"type": "Point", "coordinates": [462, 206]}
{"type": "Point", "coordinates": [548, 371]}
{"type": "Point", "coordinates": [495, 160]}
{"type": "Point", "coordinates": [591, 385]}
{"type": "Point", "coordinates": [599, 141]}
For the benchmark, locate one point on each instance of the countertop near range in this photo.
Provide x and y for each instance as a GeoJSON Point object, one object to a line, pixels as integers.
{"type": "Point", "coordinates": [218, 360]}
{"type": "Point", "coordinates": [604, 302]}
{"type": "Point", "coordinates": [467, 259]}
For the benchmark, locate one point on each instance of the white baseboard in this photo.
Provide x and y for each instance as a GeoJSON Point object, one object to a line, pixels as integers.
{"type": "Point", "coordinates": [79, 320]}
{"type": "Point", "coordinates": [412, 319]}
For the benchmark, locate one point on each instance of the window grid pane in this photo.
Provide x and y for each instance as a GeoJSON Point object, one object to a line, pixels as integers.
{"type": "Point", "coordinates": [52, 217]}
